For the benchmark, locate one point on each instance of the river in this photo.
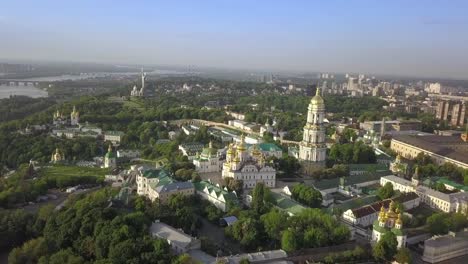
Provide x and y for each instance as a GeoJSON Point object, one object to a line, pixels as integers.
{"type": "Point", "coordinates": [29, 90]}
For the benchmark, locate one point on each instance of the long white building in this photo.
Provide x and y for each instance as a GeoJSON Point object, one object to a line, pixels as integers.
{"type": "Point", "coordinates": [250, 167]}
{"type": "Point", "coordinates": [453, 202]}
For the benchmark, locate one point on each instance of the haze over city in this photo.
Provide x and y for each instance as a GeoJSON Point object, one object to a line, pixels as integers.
{"type": "Point", "coordinates": [409, 38]}
{"type": "Point", "coordinates": [233, 132]}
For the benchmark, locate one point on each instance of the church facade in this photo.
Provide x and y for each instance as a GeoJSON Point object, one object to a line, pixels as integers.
{"type": "Point", "coordinates": [312, 148]}
{"type": "Point", "coordinates": [248, 166]}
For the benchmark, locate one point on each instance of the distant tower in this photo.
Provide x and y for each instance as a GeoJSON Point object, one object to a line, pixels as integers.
{"type": "Point", "coordinates": [382, 129]}
{"type": "Point", "coordinates": [143, 77]}
{"type": "Point", "coordinates": [312, 149]}
{"type": "Point", "coordinates": [74, 117]}
{"type": "Point", "coordinates": [110, 160]}
{"type": "Point", "coordinates": [416, 178]}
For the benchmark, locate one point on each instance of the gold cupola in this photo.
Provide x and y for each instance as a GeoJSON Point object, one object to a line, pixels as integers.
{"type": "Point", "coordinates": [317, 100]}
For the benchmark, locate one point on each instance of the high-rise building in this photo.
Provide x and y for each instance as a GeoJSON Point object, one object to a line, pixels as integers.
{"type": "Point", "coordinates": [312, 149]}
{"type": "Point", "coordinates": [452, 112]}
{"type": "Point", "coordinates": [458, 114]}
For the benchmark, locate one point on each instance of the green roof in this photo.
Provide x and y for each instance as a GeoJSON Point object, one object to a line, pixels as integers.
{"type": "Point", "coordinates": [287, 204]}
{"type": "Point", "coordinates": [350, 180]}
{"type": "Point", "coordinates": [110, 155]}
{"type": "Point", "coordinates": [455, 185]}
{"type": "Point", "coordinates": [209, 152]}
{"type": "Point", "coordinates": [367, 167]}
{"type": "Point", "coordinates": [228, 196]}
{"type": "Point", "coordinates": [269, 147]}
{"type": "Point", "coordinates": [357, 202]}
{"type": "Point", "coordinates": [160, 173]}
{"type": "Point", "coordinates": [396, 231]}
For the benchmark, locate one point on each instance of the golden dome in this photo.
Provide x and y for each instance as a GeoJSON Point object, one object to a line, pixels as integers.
{"type": "Point", "coordinates": [230, 150]}
{"type": "Point", "coordinates": [382, 214]}
{"type": "Point", "coordinates": [399, 221]}
{"type": "Point", "coordinates": [317, 99]}
{"type": "Point", "coordinates": [241, 146]}
{"type": "Point", "coordinates": [256, 151]}
{"type": "Point", "coordinates": [391, 210]}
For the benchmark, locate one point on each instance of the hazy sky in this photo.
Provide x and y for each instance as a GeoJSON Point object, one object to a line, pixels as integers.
{"type": "Point", "coordinates": [410, 37]}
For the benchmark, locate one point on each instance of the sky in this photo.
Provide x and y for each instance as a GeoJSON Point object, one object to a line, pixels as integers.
{"type": "Point", "coordinates": [395, 37]}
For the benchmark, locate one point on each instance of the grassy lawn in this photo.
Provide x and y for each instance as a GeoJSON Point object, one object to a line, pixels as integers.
{"type": "Point", "coordinates": [62, 170]}
{"type": "Point", "coordinates": [134, 103]}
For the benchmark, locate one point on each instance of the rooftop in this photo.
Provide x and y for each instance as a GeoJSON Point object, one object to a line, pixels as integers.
{"type": "Point", "coordinates": [440, 145]}
{"type": "Point", "coordinates": [172, 186]}
{"type": "Point", "coordinates": [287, 204]}
{"type": "Point", "coordinates": [269, 147]}
{"type": "Point", "coordinates": [171, 234]}
{"type": "Point", "coordinates": [446, 240]}
{"type": "Point", "coordinates": [201, 185]}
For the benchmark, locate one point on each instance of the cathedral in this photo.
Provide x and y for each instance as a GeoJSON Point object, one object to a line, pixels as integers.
{"type": "Point", "coordinates": [248, 166]}
{"type": "Point", "coordinates": [208, 161]}
{"type": "Point", "coordinates": [59, 118]}
{"type": "Point", "coordinates": [312, 148]}
{"type": "Point", "coordinates": [389, 220]}
{"type": "Point", "coordinates": [57, 156]}
{"type": "Point", "coordinates": [140, 92]}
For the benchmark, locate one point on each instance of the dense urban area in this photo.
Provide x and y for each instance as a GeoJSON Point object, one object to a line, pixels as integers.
{"type": "Point", "coordinates": [106, 164]}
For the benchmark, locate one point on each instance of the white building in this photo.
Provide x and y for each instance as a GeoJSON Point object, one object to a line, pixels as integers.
{"type": "Point", "coordinates": [219, 197]}
{"type": "Point", "coordinates": [208, 160]}
{"type": "Point", "coordinates": [453, 202]}
{"type": "Point", "coordinates": [179, 241]}
{"type": "Point", "coordinates": [157, 184]}
{"type": "Point", "coordinates": [113, 136]}
{"type": "Point", "coordinates": [312, 149]}
{"type": "Point", "coordinates": [250, 167]}
{"type": "Point", "coordinates": [129, 154]}
{"type": "Point", "coordinates": [366, 215]}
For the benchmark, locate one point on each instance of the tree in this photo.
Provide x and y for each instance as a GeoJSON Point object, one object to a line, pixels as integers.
{"type": "Point", "coordinates": [457, 221]}
{"type": "Point", "coordinates": [403, 256]}
{"type": "Point", "coordinates": [262, 198]}
{"type": "Point", "coordinates": [274, 222]}
{"type": "Point", "coordinates": [247, 231]}
{"type": "Point", "coordinates": [289, 241]}
{"type": "Point", "coordinates": [385, 191]}
{"type": "Point", "coordinates": [244, 261]}
{"type": "Point", "coordinates": [307, 195]}
{"type": "Point", "coordinates": [440, 187]}
{"type": "Point", "coordinates": [289, 165]}
{"type": "Point", "coordinates": [29, 252]}
{"type": "Point", "coordinates": [386, 247]}
{"type": "Point", "coordinates": [438, 224]}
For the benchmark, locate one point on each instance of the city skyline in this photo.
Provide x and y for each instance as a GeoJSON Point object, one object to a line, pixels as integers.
{"type": "Point", "coordinates": [392, 38]}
